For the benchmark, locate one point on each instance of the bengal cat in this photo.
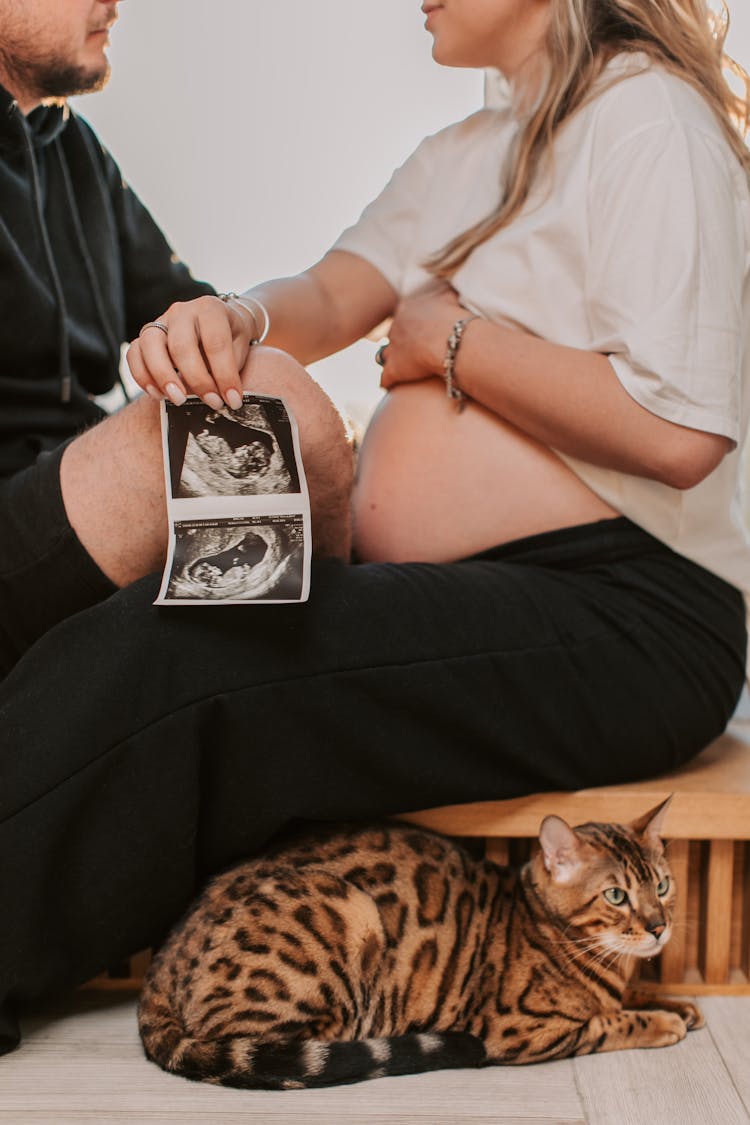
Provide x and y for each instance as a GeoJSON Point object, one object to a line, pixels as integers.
{"type": "Point", "coordinates": [390, 950]}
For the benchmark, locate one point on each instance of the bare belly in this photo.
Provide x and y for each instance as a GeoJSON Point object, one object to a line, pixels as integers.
{"type": "Point", "coordinates": [434, 485]}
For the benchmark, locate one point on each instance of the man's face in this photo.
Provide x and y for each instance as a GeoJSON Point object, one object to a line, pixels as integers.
{"type": "Point", "coordinates": [53, 48]}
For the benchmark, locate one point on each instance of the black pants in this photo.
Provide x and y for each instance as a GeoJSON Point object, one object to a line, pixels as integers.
{"type": "Point", "coordinates": [144, 748]}
{"type": "Point", "coordinates": [45, 574]}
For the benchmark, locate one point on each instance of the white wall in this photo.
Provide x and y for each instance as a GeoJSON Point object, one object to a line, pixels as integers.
{"type": "Point", "coordinates": [255, 130]}
{"type": "Point", "coordinates": [738, 43]}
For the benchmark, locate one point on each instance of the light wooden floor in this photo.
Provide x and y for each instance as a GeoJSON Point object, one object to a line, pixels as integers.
{"type": "Point", "coordinates": [81, 1062]}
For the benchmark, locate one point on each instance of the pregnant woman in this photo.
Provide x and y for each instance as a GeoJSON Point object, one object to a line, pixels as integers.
{"type": "Point", "coordinates": [548, 553]}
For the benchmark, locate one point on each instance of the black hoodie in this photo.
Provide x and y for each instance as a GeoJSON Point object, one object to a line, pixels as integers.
{"type": "Point", "coordinates": [82, 267]}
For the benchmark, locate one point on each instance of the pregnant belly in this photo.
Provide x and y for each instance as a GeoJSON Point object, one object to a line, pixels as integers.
{"type": "Point", "coordinates": [434, 485]}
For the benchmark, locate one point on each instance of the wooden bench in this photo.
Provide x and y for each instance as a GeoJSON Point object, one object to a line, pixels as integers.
{"type": "Point", "coordinates": [708, 833]}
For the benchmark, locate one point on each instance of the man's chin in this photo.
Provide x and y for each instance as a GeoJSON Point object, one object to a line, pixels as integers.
{"type": "Point", "coordinates": [78, 80]}
{"type": "Point", "coordinates": [55, 81]}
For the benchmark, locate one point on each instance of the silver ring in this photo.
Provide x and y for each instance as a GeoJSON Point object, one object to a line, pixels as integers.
{"type": "Point", "coordinates": [154, 324]}
{"type": "Point", "coordinates": [380, 355]}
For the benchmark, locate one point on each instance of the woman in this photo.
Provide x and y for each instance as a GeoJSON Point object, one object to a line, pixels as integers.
{"type": "Point", "coordinates": [602, 300]}
{"type": "Point", "coordinates": [547, 587]}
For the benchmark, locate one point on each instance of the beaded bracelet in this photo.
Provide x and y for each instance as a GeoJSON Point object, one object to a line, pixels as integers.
{"type": "Point", "coordinates": [454, 392]}
{"type": "Point", "coordinates": [244, 302]}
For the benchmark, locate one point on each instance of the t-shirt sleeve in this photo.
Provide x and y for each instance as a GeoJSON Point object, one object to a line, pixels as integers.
{"type": "Point", "coordinates": [384, 234]}
{"type": "Point", "coordinates": [666, 272]}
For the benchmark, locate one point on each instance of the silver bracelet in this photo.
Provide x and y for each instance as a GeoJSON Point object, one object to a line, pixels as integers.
{"type": "Point", "coordinates": [244, 302]}
{"type": "Point", "coordinates": [454, 392]}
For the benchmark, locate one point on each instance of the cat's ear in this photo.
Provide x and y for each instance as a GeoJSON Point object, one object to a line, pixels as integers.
{"type": "Point", "coordinates": [649, 825]}
{"type": "Point", "coordinates": [560, 848]}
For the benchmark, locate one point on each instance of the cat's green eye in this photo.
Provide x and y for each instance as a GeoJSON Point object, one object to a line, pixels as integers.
{"type": "Point", "coordinates": [663, 887]}
{"type": "Point", "coordinates": [616, 895]}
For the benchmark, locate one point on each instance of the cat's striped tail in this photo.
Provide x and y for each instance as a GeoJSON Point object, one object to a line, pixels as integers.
{"type": "Point", "coordinates": [243, 1061]}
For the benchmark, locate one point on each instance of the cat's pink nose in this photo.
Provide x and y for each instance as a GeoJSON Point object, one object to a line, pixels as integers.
{"type": "Point", "coordinates": [657, 929]}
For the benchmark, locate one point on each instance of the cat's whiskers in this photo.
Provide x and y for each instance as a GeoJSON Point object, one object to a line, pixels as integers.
{"type": "Point", "coordinates": [594, 950]}
{"type": "Point", "coordinates": [588, 950]}
{"type": "Point", "coordinates": [606, 956]}
{"type": "Point", "coordinates": [615, 956]}
{"type": "Point", "coordinates": [587, 943]}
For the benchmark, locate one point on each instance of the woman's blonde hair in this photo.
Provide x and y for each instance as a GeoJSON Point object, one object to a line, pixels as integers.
{"type": "Point", "coordinates": [685, 36]}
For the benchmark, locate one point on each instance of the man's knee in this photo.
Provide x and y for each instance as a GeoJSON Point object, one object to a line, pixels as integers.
{"type": "Point", "coordinates": [324, 444]}
{"type": "Point", "coordinates": [269, 371]}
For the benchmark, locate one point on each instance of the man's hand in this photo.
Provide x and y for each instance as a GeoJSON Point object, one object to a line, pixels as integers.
{"type": "Point", "coordinates": [419, 336]}
{"type": "Point", "coordinates": [199, 349]}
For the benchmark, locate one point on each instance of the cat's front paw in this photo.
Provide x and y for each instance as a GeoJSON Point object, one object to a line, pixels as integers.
{"type": "Point", "coordinates": [644, 1001]}
{"type": "Point", "coordinates": [664, 1028]}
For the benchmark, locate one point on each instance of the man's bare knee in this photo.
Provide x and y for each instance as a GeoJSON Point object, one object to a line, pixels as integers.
{"type": "Point", "coordinates": [112, 476]}
{"type": "Point", "coordinates": [273, 372]}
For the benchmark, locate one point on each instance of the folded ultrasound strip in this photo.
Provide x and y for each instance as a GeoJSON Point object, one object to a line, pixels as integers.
{"type": "Point", "coordinates": [237, 504]}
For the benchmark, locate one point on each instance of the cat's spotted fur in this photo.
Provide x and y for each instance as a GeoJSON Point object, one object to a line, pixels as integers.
{"type": "Point", "coordinates": [391, 950]}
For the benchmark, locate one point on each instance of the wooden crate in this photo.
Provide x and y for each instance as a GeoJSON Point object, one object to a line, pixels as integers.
{"type": "Point", "coordinates": [708, 835]}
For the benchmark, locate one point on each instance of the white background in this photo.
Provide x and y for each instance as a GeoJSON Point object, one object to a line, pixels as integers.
{"type": "Point", "coordinates": [255, 130]}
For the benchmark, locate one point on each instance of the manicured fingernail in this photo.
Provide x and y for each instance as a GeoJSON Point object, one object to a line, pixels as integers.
{"type": "Point", "coordinates": [174, 394]}
{"type": "Point", "coordinates": [234, 399]}
{"type": "Point", "coordinates": [214, 401]}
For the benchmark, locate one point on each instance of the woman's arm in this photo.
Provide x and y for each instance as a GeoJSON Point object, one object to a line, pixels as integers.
{"type": "Point", "coordinates": [569, 399]}
{"type": "Point", "coordinates": [326, 308]}
{"type": "Point", "coordinates": [312, 315]}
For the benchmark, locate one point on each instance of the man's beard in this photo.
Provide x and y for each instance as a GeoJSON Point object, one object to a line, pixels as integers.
{"type": "Point", "coordinates": [53, 77]}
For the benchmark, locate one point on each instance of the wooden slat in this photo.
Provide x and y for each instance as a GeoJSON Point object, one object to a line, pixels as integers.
{"type": "Point", "coordinates": [738, 908]}
{"type": "Point", "coordinates": [711, 802]}
{"type": "Point", "coordinates": [735, 987]}
{"type": "Point", "coordinates": [498, 851]}
{"type": "Point", "coordinates": [672, 960]}
{"type": "Point", "coordinates": [745, 943]}
{"type": "Point", "coordinates": [718, 911]}
{"type": "Point", "coordinates": [696, 863]}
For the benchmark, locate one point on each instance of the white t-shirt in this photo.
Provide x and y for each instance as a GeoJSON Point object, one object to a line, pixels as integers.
{"type": "Point", "coordinates": [637, 246]}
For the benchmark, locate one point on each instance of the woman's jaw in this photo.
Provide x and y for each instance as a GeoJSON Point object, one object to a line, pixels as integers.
{"type": "Point", "coordinates": [507, 35]}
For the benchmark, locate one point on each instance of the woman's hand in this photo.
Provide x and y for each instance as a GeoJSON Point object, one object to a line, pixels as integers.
{"type": "Point", "coordinates": [419, 334]}
{"type": "Point", "coordinates": [200, 349]}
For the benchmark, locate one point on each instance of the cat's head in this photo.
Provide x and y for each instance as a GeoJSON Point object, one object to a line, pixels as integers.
{"type": "Point", "coordinates": [608, 884]}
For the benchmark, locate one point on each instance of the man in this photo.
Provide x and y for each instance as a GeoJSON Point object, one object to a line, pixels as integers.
{"type": "Point", "coordinates": [83, 266]}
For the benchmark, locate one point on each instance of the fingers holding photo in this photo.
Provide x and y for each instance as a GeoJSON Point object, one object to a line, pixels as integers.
{"type": "Point", "coordinates": [196, 347]}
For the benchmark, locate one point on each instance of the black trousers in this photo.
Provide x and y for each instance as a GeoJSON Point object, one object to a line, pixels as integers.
{"type": "Point", "coordinates": [145, 748]}
{"type": "Point", "coordinates": [45, 574]}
